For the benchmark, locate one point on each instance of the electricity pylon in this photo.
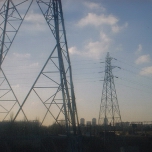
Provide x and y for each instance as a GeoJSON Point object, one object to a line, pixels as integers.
{"type": "Point", "coordinates": [11, 19]}
{"type": "Point", "coordinates": [54, 85]}
{"type": "Point", "coordinates": [109, 113]}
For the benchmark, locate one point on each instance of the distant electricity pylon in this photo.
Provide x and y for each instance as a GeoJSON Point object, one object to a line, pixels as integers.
{"type": "Point", "coordinates": [109, 113]}
{"type": "Point", "coordinates": [11, 19]}
{"type": "Point", "coordinates": [54, 85]}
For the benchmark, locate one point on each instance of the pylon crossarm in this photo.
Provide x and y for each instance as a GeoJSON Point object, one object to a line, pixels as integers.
{"type": "Point", "coordinates": [53, 100]}
{"type": "Point", "coordinates": [33, 85]}
{"type": "Point", "coordinates": [54, 95]}
{"type": "Point", "coordinates": [11, 110]}
{"type": "Point", "coordinates": [10, 22]}
{"type": "Point", "coordinates": [48, 14]}
{"type": "Point", "coordinates": [5, 92]}
{"type": "Point", "coordinates": [64, 52]}
{"type": "Point", "coordinates": [48, 109]}
{"type": "Point", "coordinates": [55, 64]}
{"type": "Point", "coordinates": [4, 109]}
{"type": "Point", "coordinates": [50, 78]}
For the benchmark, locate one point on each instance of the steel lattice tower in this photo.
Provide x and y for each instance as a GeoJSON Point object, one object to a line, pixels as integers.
{"type": "Point", "coordinates": [11, 19]}
{"type": "Point", "coordinates": [55, 78]}
{"type": "Point", "coordinates": [109, 113]}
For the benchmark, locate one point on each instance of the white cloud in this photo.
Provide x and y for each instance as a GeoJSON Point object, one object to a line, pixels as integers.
{"type": "Point", "coordinates": [94, 49]}
{"type": "Point", "coordinates": [74, 50]}
{"type": "Point", "coordinates": [92, 5]}
{"type": "Point", "coordinates": [35, 22]}
{"type": "Point", "coordinates": [143, 59]}
{"type": "Point", "coordinates": [17, 55]}
{"type": "Point", "coordinates": [97, 20]}
{"type": "Point", "coordinates": [104, 38]}
{"type": "Point", "coordinates": [34, 64]}
{"type": "Point", "coordinates": [100, 20]}
{"type": "Point", "coordinates": [117, 28]}
{"type": "Point", "coordinates": [33, 17]}
{"type": "Point", "coordinates": [146, 71]}
{"type": "Point", "coordinates": [35, 27]}
{"type": "Point", "coordinates": [139, 50]}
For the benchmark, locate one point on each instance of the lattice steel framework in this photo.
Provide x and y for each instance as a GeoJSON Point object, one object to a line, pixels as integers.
{"type": "Point", "coordinates": [11, 18]}
{"type": "Point", "coordinates": [54, 85]}
{"type": "Point", "coordinates": [109, 113]}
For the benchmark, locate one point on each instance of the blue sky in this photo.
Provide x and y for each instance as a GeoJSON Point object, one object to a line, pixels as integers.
{"type": "Point", "coordinates": [93, 28]}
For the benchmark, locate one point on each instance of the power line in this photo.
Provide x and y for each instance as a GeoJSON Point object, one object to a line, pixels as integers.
{"type": "Point", "coordinates": [135, 68]}
{"type": "Point", "coordinates": [135, 82]}
{"type": "Point", "coordinates": [133, 88]}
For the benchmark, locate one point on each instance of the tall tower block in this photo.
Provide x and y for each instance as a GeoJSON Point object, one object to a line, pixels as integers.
{"type": "Point", "coordinates": [109, 113]}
